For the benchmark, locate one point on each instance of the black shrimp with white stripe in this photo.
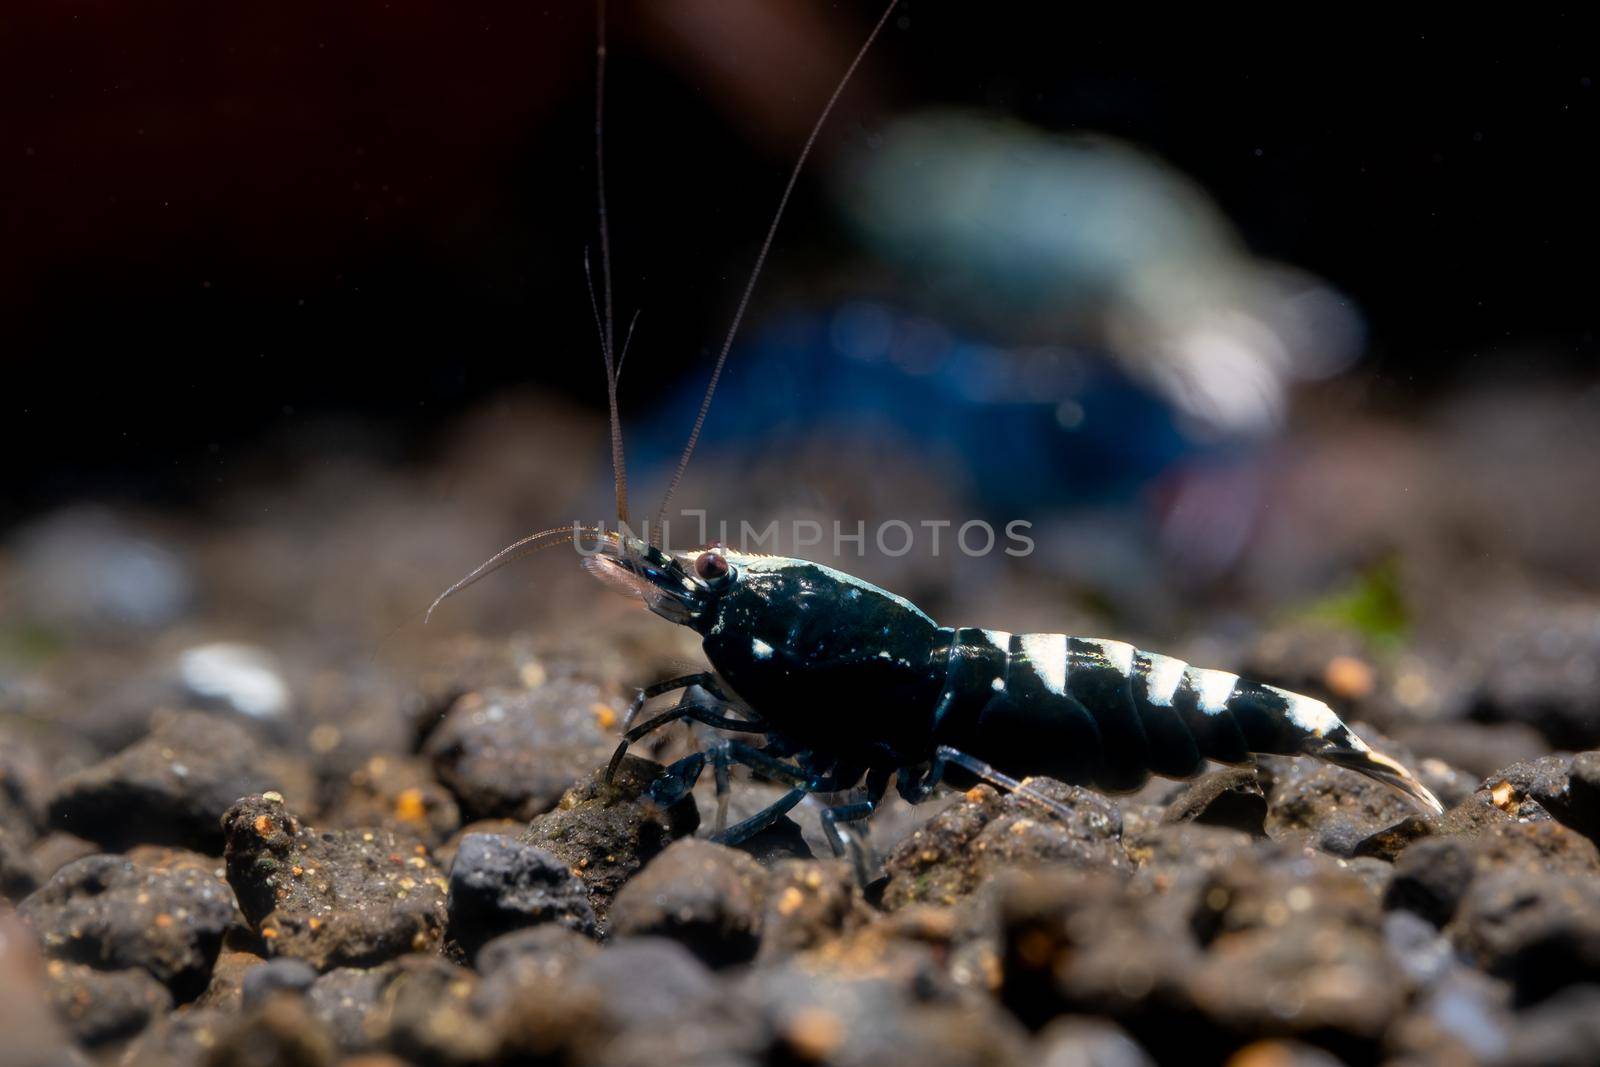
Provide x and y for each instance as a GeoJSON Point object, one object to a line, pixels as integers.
{"type": "Point", "coordinates": [845, 682]}
{"type": "Point", "coordinates": [848, 682]}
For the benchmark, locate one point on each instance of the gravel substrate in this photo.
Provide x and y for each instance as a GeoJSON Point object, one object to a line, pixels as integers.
{"type": "Point", "coordinates": [1280, 917]}
{"type": "Point", "coordinates": [276, 830]}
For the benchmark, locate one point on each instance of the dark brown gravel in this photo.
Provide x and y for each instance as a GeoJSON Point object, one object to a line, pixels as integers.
{"type": "Point", "coordinates": [1285, 914]}
{"type": "Point", "coordinates": [332, 897]}
{"type": "Point", "coordinates": [1230, 798]}
{"type": "Point", "coordinates": [709, 898]}
{"type": "Point", "coordinates": [100, 1007]}
{"type": "Point", "coordinates": [420, 863]}
{"type": "Point", "coordinates": [109, 911]}
{"type": "Point", "coordinates": [607, 832]}
{"type": "Point", "coordinates": [512, 753]}
{"type": "Point", "coordinates": [499, 884]}
{"type": "Point", "coordinates": [19, 874]}
{"type": "Point", "coordinates": [173, 786]}
{"type": "Point", "coordinates": [986, 834]}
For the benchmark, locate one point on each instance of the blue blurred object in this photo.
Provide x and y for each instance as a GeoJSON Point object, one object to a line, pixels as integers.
{"type": "Point", "coordinates": [1021, 431]}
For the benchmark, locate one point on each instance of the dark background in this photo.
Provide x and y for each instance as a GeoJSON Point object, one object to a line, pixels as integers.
{"type": "Point", "coordinates": [223, 225]}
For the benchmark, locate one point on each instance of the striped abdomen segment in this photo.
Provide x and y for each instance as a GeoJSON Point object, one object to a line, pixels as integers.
{"type": "Point", "coordinates": [1103, 713]}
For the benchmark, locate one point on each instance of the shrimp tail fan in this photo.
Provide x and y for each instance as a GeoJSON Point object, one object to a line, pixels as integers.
{"type": "Point", "coordinates": [1352, 753]}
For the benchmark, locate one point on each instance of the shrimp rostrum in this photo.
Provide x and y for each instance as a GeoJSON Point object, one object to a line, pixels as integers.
{"type": "Point", "coordinates": [825, 683]}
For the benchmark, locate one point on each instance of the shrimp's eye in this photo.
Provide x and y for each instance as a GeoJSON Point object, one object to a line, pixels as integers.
{"type": "Point", "coordinates": [709, 566]}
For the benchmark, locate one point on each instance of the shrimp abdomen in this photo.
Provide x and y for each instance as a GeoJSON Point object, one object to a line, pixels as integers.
{"type": "Point", "coordinates": [1104, 714]}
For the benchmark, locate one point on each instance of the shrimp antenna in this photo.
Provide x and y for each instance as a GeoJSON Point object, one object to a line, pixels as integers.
{"type": "Point", "coordinates": [526, 546]}
{"type": "Point", "coordinates": [605, 325]}
{"type": "Point", "coordinates": [755, 273]}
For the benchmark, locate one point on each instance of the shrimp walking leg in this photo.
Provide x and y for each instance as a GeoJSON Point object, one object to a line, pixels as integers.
{"type": "Point", "coordinates": [696, 712]}
{"type": "Point", "coordinates": [743, 831]}
{"type": "Point", "coordinates": [704, 679]}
